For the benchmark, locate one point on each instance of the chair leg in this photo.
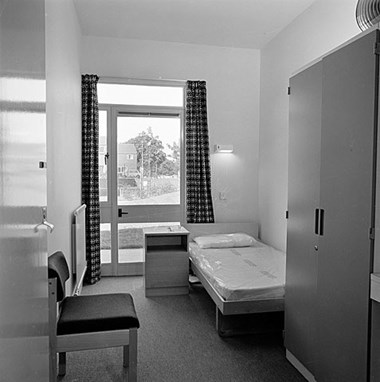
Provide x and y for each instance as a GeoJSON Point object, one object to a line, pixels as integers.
{"type": "Point", "coordinates": [126, 355]}
{"type": "Point", "coordinates": [62, 364]}
{"type": "Point", "coordinates": [132, 355]}
{"type": "Point", "coordinates": [53, 366]}
{"type": "Point", "coordinates": [218, 318]}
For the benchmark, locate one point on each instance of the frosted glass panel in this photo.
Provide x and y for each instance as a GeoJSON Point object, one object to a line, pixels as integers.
{"type": "Point", "coordinates": [105, 243]}
{"type": "Point", "coordinates": [122, 94]}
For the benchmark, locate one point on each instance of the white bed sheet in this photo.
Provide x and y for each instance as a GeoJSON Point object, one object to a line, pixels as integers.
{"type": "Point", "coordinates": [246, 273]}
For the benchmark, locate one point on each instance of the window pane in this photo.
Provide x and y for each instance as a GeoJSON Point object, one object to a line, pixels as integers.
{"type": "Point", "coordinates": [103, 151]}
{"type": "Point", "coordinates": [148, 160]}
{"type": "Point", "coordinates": [105, 243]}
{"type": "Point", "coordinates": [121, 94]}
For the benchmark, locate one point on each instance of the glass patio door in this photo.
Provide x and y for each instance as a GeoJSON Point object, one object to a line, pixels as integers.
{"type": "Point", "coordinates": [140, 181]}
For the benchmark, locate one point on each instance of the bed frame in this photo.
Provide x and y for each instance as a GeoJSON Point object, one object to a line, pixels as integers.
{"type": "Point", "coordinates": [224, 307]}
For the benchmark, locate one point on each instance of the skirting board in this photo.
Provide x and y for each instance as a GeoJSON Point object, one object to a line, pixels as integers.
{"type": "Point", "coordinates": [168, 291]}
{"type": "Point", "coordinates": [301, 368]}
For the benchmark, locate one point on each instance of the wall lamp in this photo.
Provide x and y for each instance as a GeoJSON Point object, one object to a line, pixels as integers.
{"type": "Point", "coordinates": [223, 148]}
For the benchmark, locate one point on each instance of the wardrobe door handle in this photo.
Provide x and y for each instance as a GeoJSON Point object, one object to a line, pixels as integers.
{"type": "Point", "coordinates": [322, 222]}
{"type": "Point", "coordinates": [316, 221]}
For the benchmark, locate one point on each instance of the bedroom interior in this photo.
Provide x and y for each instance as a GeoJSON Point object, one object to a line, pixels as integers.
{"type": "Point", "coordinates": [281, 200]}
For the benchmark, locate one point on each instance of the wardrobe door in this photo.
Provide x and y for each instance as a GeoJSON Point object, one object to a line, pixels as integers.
{"type": "Point", "coordinates": [344, 256]}
{"type": "Point", "coordinates": [303, 199]}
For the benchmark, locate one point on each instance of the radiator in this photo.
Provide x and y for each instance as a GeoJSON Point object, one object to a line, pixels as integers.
{"type": "Point", "coordinates": [79, 263]}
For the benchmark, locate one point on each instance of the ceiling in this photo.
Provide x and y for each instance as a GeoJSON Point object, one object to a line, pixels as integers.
{"type": "Point", "coordinates": [230, 23]}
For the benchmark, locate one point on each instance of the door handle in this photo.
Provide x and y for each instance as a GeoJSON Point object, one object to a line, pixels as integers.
{"type": "Point", "coordinates": [322, 222]}
{"type": "Point", "coordinates": [319, 221]}
{"type": "Point", "coordinates": [316, 221]}
{"type": "Point", "coordinates": [121, 213]}
{"type": "Point", "coordinates": [46, 224]}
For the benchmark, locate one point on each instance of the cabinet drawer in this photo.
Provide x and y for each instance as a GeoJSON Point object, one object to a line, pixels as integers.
{"type": "Point", "coordinates": [166, 269]}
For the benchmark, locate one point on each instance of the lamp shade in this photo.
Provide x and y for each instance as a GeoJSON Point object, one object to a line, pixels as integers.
{"type": "Point", "coordinates": [367, 13]}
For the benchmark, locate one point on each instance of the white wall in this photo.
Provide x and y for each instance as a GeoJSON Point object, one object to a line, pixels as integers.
{"type": "Point", "coordinates": [233, 81]}
{"type": "Point", "coordinates": [325, 25]}
{"type": "Point", "coordinates": [63, 105]}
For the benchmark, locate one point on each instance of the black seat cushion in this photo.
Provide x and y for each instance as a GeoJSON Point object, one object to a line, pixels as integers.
{"type": "Point", "coordinates": [94, 313]}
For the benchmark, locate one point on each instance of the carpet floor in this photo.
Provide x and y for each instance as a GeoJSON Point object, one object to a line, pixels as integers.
{"type": "Point", "coordinates": [178, 343]}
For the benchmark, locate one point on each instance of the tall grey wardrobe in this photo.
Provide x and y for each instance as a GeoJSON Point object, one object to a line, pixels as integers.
{"type": "Point", "coordinates": [331, 198]}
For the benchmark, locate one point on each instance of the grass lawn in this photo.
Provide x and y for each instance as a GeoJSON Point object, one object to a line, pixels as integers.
{"type": "Point", "coordinates": [128, 238]}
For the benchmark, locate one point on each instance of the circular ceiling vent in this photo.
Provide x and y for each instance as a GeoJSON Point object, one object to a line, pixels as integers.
{"type": "Point", "coordinates": [367, 13]}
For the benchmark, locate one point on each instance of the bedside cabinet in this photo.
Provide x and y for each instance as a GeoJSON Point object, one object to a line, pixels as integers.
{"type": "Point", "coordinates": [166, 261]}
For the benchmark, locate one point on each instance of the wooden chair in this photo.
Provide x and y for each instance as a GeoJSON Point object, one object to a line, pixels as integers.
{"type": "Point", "coordinates": [88, 322]}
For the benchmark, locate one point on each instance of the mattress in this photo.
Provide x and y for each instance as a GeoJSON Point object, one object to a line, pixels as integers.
{"type": "Point", "coordinates": [245, 273]}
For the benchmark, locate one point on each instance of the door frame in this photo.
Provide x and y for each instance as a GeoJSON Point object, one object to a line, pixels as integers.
{"type": "Point", "coordinates": [109, 209]}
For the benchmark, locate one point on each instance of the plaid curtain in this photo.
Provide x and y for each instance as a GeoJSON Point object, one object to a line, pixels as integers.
{"type": "Point", "coordinates": [198, 175]}
{"type": "Point", "coordinates": [90, 175]}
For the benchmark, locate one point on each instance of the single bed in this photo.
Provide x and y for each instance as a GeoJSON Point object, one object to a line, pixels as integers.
{"type": "Point", "coordinates": [240, 280]}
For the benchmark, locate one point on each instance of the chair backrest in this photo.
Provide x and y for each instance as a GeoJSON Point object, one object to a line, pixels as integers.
{"type": "Point", "coordinates": [59, 269]}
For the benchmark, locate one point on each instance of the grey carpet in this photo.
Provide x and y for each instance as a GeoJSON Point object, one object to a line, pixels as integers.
{"type": "Point", "coordinates": [178, 343]}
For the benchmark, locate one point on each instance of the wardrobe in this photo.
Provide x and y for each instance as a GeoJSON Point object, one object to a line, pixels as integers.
{"type": "Point", "coordinates": [331, 202]}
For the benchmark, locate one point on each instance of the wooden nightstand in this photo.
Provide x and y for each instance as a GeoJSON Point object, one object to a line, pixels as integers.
{"type": "Point", "coordinates": [166, 261]}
